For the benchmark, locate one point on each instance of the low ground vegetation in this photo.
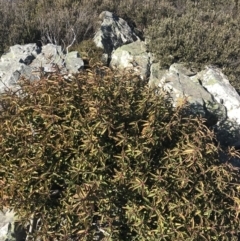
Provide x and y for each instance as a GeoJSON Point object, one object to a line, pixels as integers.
{"type": "Point", "coordinates": [102, 151]}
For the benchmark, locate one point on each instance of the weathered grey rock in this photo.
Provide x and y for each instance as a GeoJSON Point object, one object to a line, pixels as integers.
{"type": "Point", "coordinates": [52, 59]}
{"type": "Point", "coordinates": [21, 53]}
{"type": "Point", "coordinates": [180, 68]}
{"type": "Point", "coordinates": [49, 57]}
{"type": "Point", "coordinates": [15, 63]}
{"type": "Point", "coordinates": [132, 56]}
{"type": "Point", "coordinates": [73, 62]}
{"type": "Point", "coordinates": [181, 86]}
{"type": "Point", "coordinates": [216, 83]}
{"type": "Point", "coordinates": [113, 32]}
{"type": "Point", "coordinates": [32, 62]}
{"type": "Point", "coordinates": [208, 93]}
{"type": "Point", "coordinates": [9, 229]}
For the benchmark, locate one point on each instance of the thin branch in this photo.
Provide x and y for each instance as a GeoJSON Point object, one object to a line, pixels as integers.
{"type": "Point", "coordinates": [74, 39]}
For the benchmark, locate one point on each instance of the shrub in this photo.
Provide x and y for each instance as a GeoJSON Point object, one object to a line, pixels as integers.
{"type": "Point", "coordinates": [45, 21]}
{"type": "Point", "coordinates": [103, 151]}
{"type": "Point", "coordinates": [90, 53]}
{"type": "Point", "coordinates": [17, 23]}
{"type": "Point", "coordinates": [198, 35]}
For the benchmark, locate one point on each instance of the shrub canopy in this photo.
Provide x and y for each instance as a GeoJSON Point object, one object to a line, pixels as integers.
{"type": "Point", "coordinates": [103, 151]}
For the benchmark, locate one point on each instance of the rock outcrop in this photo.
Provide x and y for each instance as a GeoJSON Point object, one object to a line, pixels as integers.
{"type": "Point", "coordinates": [32, 62]}
{"type": "Point", "coordinates": [113, 33]}
{"type": "Point", "coordinates": [208, 92]}
{"type": "Point", "coordinates": [132, 56]}
{"type": "Point", "coordinates": [179, 82]}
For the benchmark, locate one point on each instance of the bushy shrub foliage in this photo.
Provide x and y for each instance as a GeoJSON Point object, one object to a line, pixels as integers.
{"type": "Point", "coordinates": [90, 53]}
{"type": "Point", "coordinates": [198, 34]}
{"type": "Point", "coordinates": [104, 153]}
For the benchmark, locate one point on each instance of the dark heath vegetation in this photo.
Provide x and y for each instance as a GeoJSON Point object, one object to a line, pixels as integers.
{"type": "Point", "coordinates": [103, 150]}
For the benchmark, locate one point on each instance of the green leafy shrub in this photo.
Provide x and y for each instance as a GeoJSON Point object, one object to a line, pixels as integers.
{"type": "Point", "coordinates": [105, 151]}
{"type": "Point", "coordinates": [89, 52]}
{"type": "Point", "coordinates": [199, 34]}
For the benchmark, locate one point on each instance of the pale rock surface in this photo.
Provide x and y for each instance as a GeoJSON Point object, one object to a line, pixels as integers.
{"type": "Point", "coordinates": [15, 62]}
{"type": "Point", "coordinates": [217, 84]}
{"type": "Point", "coordinates": [73, 62]}
{"type": "Point", "coordinates": [113, 32]}
{"type": "Point", "coordinates": [31, 62]}
{"type": "Point", "coordinates": [178, 83]}
{"type": "Point", "coordinates": [208, 93]}
{"type": "Point", "coordinates": [133, 56]}
{"type": "Point", "coordinates": [8, 227]}
{"type": "Point", "coordinates": [50, 55]}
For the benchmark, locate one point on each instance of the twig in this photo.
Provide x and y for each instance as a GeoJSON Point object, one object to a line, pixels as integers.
{"type": "Point", "coordinates": [72, 41]}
